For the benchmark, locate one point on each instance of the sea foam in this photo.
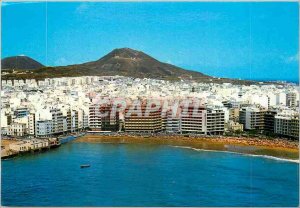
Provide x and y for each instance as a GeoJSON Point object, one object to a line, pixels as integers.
{"type": "Point", "coordinates": [239, 153]}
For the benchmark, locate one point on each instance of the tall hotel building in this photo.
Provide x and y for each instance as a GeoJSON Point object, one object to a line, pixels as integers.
{"type": "Point", "coordinates": [193, 121]}
{"type": "Point", "coordinates": [269, 121]}
{"type": "Point", "coordinates": [57, 121]}
{"type": "Point", "coordinates": [109, 119]}
{"type": "Point", "coordinates": [72, 120]}
{"type": "Point", "coordinates": [252, 118]}
{"type": "Point", "coordinates": [173, 123]}
{"type": "Point", "coordinates": [94, 117]}
{"type": "Point", "coordinates": [147, 122]}
{"type": "Point", "coordinates": [215, 121]}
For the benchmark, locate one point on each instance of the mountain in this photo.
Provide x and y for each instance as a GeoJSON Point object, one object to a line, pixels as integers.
{"type": "Point", "coordinates": [122, 62]}
{"type": "Point", "coordinates": [20, 62]}
{"type": "Point", "coordinates": [129, 62]}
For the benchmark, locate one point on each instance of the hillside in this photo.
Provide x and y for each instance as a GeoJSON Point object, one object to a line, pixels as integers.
{"type": "Point", "coordinates": [20, 62]}
{"type": "Point", "coordinates": [123, 62]}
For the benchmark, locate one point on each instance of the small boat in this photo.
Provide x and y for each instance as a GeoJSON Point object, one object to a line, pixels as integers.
{"type": "Point", "coordinates": [85, 166]}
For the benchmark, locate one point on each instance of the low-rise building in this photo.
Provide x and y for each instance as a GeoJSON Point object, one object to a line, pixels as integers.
{"type": "Point", "coordinates": [21, 146]}
{"type": "Point", "coordinates": [235, 126]}
{"type": "Point", "coordinates": [17, 129]}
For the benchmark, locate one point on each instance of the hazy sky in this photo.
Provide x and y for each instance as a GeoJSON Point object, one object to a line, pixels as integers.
{"type": "Point", "coordinates": [239, 40]}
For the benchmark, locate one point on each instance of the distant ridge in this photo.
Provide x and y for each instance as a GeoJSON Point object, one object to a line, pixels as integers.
{"type": "Point", "coordinates": [122, 62]}
{"type": "Point", "coordinates": [20, 62]}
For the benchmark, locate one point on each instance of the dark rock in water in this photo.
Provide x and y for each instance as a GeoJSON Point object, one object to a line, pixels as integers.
{"type": "Point", "coordinates": [85, 166]}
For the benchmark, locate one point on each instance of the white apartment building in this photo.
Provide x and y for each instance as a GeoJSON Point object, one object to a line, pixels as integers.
{"type": "Point", "coordinates": [57, 121]}
{"type": "Point", "coordinates": [31, 124]}
{"type": "Point", "coordinates": [43, 128]}
{"type": "Point", "coordinates": [287, 124]}
{"type": "Point", "coordinates": [291, 99]}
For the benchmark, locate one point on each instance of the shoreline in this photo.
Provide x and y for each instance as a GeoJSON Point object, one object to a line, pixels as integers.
{"type": "Point", "coordinates": [277, 148]}
{"type": "Point", "coordinates": [243, 154]}
{"type": "Point", "coordinates": [27, 147]}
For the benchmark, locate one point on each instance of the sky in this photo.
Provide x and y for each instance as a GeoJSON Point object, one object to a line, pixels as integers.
{"type": "Point", "coordinates": [257, 40]}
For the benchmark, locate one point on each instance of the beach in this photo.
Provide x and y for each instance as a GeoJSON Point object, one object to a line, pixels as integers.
{"type": "Point", "coordinates": [279, 148]}
{"type": "Point", "coordinates": [5, 151]}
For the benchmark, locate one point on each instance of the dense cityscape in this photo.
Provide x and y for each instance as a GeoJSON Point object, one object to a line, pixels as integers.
{"type": "Point", "coordinates": [149, 104]}
{"type": "Point", "coordinates": [52, 107]}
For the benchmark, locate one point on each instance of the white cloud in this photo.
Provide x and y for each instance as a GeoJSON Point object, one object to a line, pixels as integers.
{"type": "Point", "coordinates": [10, 3]}
{"type": "Point", "coordinates": [83, 7]}
{"type": "Point", "coordinates": [292, 59]}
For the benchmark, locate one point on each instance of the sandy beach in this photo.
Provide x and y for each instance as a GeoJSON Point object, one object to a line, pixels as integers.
{"type": "Point", "coordinates": [5, 147]}
{"type": "Point", "coordinates": [276, 147]}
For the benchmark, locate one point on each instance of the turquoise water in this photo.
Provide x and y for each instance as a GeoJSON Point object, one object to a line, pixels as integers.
{"type": "Point", "coordinates": [146, 175]}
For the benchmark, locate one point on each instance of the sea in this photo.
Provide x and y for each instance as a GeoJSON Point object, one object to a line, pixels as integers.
{"type": "Point", "coordinates": [147, 175]}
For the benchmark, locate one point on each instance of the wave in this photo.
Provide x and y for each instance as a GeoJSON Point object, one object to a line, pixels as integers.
{"type": "Point", "coordinates": [239, 153]}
